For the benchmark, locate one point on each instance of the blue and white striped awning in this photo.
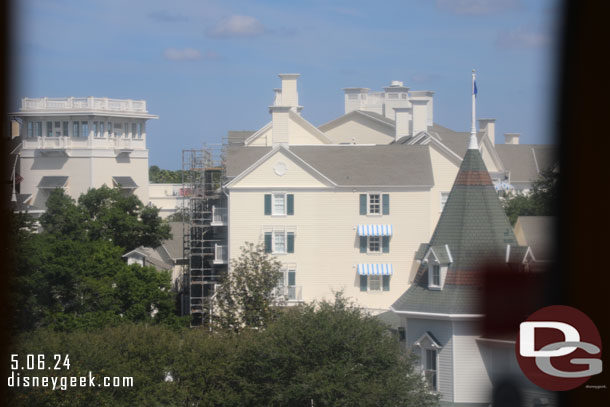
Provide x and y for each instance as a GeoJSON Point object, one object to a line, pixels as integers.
{"type": "Point", "coordinates": [366, 269]}
{"type": "Point", "coordinates": [374, 230]}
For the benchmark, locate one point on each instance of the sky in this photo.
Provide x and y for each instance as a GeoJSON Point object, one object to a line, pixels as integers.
{"type": "Point", "coordinates": [209, 66]}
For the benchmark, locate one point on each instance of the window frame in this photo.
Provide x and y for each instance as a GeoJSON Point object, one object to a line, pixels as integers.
{"type": "Point", "coordinates": [285, 233]}
{"type": "Point", "coordinates": [285, 203]}
{"type": "Point", "coordinates": [424, 365]}
{"type": "Point", "coordinates": [369, 204]}
{"type": "Point", "coordinates": [370, 241]}
{"type": "Point", "coordinates": [432, 268]}
{"type": "Point", "coordinates": [384, 281]}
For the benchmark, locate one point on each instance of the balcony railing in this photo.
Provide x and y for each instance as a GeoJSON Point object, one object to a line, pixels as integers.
{"type": "Point", "coordinates": [62, 143]}
{"type": "Point", "coordinates": [288, 293]}
{"type": "Point", "coordinates": [219, 216]}
{"type": "Point", "coordinates": [221, 254]}
{"type": "Point", "coordinates": [88, 103]}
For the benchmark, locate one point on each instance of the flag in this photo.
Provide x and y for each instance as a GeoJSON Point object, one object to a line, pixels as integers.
{"type": "Point", "coordinates": [474, 90]}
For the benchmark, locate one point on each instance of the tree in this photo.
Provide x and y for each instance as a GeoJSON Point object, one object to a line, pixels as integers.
{"type": "Point", "coordinates": [541, 201]}
{"type": "Point", "coordinates": [159, 176]}
{"type": "Point", "coordinates": [328, 354]}
{"type": "Point", "coordinates": [245, 297]}
{"type": "Point", "coordinates": [105, 214]}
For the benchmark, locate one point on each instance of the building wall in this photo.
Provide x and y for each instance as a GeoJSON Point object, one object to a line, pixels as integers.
{"type": "Point", "coordinates": [444, 172]}
{"type": "Point", "coordinates": [360, 131]}
{"type": "Point", "coordinates": [443, 332]}
{"type": "Point", "coordinates": [472, 380]}
{"type": "Point", "coordinates": [166, 197]}
{"type": "Point", "coordinates": [327, 247]}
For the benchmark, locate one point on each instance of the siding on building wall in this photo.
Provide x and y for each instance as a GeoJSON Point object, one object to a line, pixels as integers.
{"type": "Point", "coordinates": [442, 330]}
{"type": "Point", "coordinates": [300, 135]}
{"type": "Point", "coordinates": [444, 172]}
{"type": "Point", "coordinates": [362, 131]}
{"type": "Point", "coordinates": [326, 239]}
{"type": "Point", "coordinates": [472, 380]}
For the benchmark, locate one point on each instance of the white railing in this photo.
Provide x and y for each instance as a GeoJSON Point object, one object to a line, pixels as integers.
{"type": "Point", "coordinates": [88, 103]}
{"type": "Point", "coordinates": [47, 143]}
{"type": "Point", "coordinates": [219, 216]}
{"type": "Point", "coordinates": [221, 254]}
{"type": "Point", "coordinates": [288, 293]}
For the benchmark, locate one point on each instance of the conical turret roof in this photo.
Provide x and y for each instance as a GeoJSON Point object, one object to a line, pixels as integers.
{"type": "Point", "coordinates": [472, 231]}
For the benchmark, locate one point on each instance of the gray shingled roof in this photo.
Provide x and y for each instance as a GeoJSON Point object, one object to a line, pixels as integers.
{"type": "Point", "coordinates": [52, 182]}
{"type": "Point", "coordinates": [476, 229]}
{"type": "Point", "coordinates": [525, 161]}
{"type": "Point", "coordinates": [351, 165]}
{"type": "Point", "coordinates": [174, 246]}
{"type": "Point", "coordinates": [539, 233]}
{"type": "Point", "coordinates": [238, 136]}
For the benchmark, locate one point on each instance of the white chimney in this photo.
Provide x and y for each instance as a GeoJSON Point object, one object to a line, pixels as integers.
{"type": "Point", "coordinates": [279, 125]}
{"type": "Point", "coordinates": [355, 99]}
{"type": "Point", "coordinates": [403, 122]}
{"type": "Point", "coordinates": [277, 101]}
{"type": "Point", "coordinates": [511, 138]}
{"type": "Point", "coordinates": [488, 126]}
{"type": "Point", "coordinates": [420, 115]}
{"type": "Point", "coordinates": [290, 96]}
{"type": "Point", "coordinates": [395, 95]}
{"type": "Point", "coordinates": [429, 96]}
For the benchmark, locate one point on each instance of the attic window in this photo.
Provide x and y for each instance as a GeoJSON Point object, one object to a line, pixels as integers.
{"type": "Point", "coordinates": [352, 96]}
{"type": "Point", "coordinates": [434, 276]}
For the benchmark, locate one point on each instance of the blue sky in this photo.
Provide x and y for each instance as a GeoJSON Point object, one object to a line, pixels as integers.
{"type": "Point", "coordinates": [206, 67]}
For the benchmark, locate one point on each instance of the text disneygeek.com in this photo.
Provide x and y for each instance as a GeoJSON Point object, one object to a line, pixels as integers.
{"type": "Point", "coordinates": [62, 383]}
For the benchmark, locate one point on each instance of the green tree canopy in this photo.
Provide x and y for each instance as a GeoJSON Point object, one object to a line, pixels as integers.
{"type": "Point", "coordinates": [105, 214]}
{"type": "Point", "coordinates": [328, 354]}
{"type": "Point", "coordinates": [160, 176]}
{"type": "Point", "coordinates": [541, 201]}
{"type": "Point", "coordinates": [245, 297]}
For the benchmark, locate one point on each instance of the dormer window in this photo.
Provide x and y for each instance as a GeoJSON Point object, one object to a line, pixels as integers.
{"type": "Point", "coordinates": [438, 259]}
{"type": "Point", "coordinates": [435, 277]}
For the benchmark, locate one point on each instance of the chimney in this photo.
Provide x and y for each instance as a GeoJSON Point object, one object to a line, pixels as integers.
{"type": "Point", "coordinates": [429, 96]}
{"type": "Point", "coordinates": [355, 99]}
{"type": "Point", "coordinates": [290, 96]}
{"type": "Point", "coordinates": [403, 122]}
{"type": "Point", "coordinates": [511, 138]}
{"type": "Point", "coordinates": [420, 114]}
{"type": "Point", "coordinates": [277, 101]}
{"type": "Point", "coordinates": [395, 95]}
{"type": "Point", "coordinates": [488, 126]}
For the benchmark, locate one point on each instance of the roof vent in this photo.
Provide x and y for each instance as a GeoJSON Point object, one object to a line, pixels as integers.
{"type": "Point", "coordinates": [396, 83]}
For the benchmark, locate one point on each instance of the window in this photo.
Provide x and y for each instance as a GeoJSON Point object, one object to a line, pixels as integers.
{"type": "Point", "coordinates": [102, 129]}
{"type": "Point", "coordinates": [65, 127]}
{"type": "Point", "coordinates": [139, 130]}
{"type": "Point", "coordinates": [279, 204]}
{"type": "Point", "coordinates": [286, 285]}
{"type": "Point", "coordinates": [57, 127]}
{"type": "Point", "coordinates": [279, 242]}
{"type": "Point", "coordinates": [75, 129]}
{"type": "Point", "coordinates": [49, 129]}
{"type": "Point", "coordinates": [404, 95]}
{"type": "Point", "coordinates": [133, 130]}
{"type": "Point", "coordinates": [85, 129]}
{"type": "Point", "coordinates": [444, 196]}
{"type": "Point", "coordinates": [126, 130]}
{"type": "Point", "coordinates": [434, 278]}
{"type": "Point", "coordinates": [374, 283]}
{"type": "Point", "coordinates": [118, 130]}
{"type": "Point", "coordinates": [110, 130]}
{"type": "Point", "coordinates": [392, 95]}
{"type": "Point", "coordinates": [38, 129]}
{"type": "Point", "coordinates": [30, 130]}
{"type": "Point", "coordinates": [95, 130]}
{"type": "Point", "coordinates": [374, 204]}
{"type": "Point", "coordinates": [352, 96]}
{"type": "Point", "coordinates": [374, 244]}
{"type": "Point", "coordinates": [430, 368]}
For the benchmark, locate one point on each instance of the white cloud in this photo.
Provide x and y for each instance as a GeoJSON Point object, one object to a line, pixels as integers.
{"type": "Point", "coordinates": [522, 37]}
{"type": "Point", "coordinates": [477, 7]}
{"type": "Point", "coordinates": [186, 54]}
{"type": "Point", "coordinates": [237, 26]}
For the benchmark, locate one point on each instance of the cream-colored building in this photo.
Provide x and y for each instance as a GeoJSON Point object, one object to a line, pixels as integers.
{"type": "Point", "coordinates": [169, 198]}
{"type": "Point", "coordinates": [345, 205]}
{"type": "Point", "coordinates": [81, 143]}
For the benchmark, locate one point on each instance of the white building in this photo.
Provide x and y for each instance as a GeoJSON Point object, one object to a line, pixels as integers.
{"type": "Point", "coordinates": [81, 143]}
{"type": "Point", "coordinates": [169, 198]}
{"type": "Point", "coordinates": [344, 204]}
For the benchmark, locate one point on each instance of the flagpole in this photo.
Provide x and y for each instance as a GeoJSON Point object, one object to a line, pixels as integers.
{"type": "Point", "coordinates": [473, 129]}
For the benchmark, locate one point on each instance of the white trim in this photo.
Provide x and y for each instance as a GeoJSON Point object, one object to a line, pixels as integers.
{"type": "Point", "coordinates": [279, 215]}
{"type": "Point", "coordinates": [308, 126]}
{"type": "Point", "coordinates": [498, 341]}
{"type": "Point", "coordinates": [434, 315]}
{"type": "Point", "coordinates": [449, 254]}
{"type": "Point", "coordinates": [507, 253]}
{"type": "Point", "coordinates": [270, 154]}
{"type": "Point", "coordinates": [535, 161]}
{"type": "Point", "coordinates": [257, 134]}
